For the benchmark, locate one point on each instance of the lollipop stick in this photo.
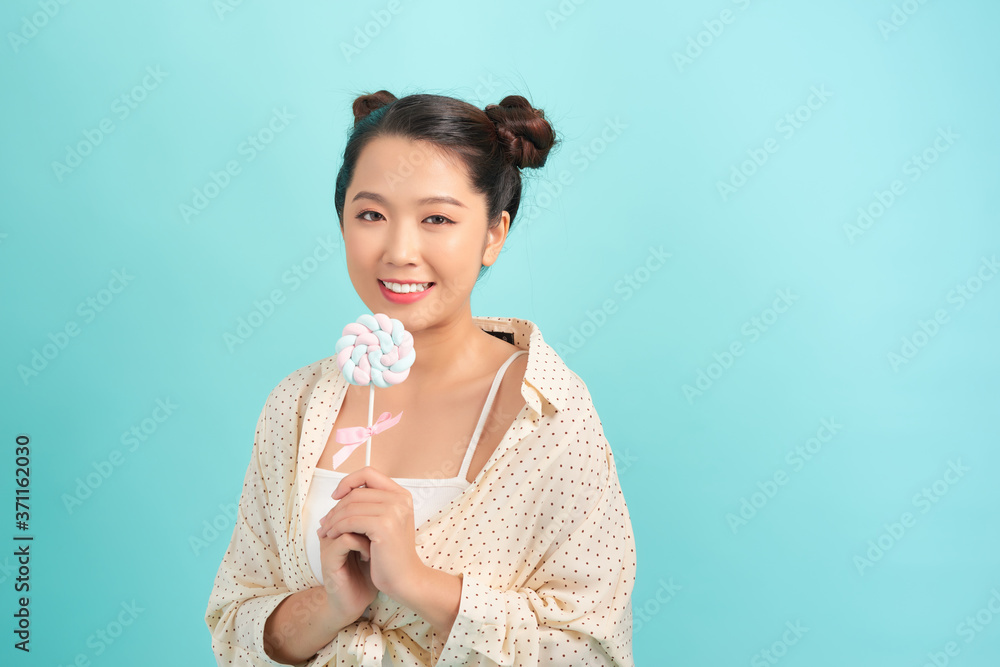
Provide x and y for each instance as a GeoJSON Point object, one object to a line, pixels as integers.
{"type": "Point", "coordinates": [371, 409]}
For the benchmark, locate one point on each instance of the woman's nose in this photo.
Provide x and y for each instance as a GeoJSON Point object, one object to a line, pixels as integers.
{"type": "Point", "coordinates": [401, 243]}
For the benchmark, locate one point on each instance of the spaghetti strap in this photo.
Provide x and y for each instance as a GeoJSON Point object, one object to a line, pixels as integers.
{"type": "Point", "coordinates": [467, 461]}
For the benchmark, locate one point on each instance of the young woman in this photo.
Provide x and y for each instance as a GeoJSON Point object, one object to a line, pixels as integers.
{"type": "Point", "coordinates": [490, 527]}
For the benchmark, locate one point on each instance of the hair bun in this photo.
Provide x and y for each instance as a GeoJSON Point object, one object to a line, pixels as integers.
{"type": "Point", "coordinates": [365, 104]}
{"type": "Point", "coordinates": [525, 135]}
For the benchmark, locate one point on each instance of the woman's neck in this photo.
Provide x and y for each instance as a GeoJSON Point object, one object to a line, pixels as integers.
{"type": "Point", "coordinates": [448, 353]}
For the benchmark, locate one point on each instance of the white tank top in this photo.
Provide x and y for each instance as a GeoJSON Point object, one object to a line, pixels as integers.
{"type": "Point", "coordinates": [429, 494]}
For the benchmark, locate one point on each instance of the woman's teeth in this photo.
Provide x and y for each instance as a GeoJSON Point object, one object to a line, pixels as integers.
{"type": "Point", "coordinates": [406, 288]}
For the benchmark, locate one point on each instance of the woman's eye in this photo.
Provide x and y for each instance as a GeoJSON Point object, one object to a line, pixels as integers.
{"type": "Point", "coordinates": [435, 219]}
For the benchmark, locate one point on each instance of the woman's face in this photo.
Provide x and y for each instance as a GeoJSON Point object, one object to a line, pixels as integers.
{"type": "Point", "coordinates": [411, 217]}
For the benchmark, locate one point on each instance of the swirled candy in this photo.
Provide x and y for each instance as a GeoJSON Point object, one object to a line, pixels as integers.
{"type": "Point", "coordinates": [375, 350]}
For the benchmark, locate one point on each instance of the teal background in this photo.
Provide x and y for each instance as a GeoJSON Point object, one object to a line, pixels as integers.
{"type": "Point", "coordinates": [710, 590]}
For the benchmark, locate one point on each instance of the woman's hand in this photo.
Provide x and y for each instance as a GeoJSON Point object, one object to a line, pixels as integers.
{"type": "Point", "coordinates": [379, 515]}
{"type": "Point", "coordinates": [349, 587]}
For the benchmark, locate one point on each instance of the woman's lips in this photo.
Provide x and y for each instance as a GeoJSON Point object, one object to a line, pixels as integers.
{"type": "Point", "coordinates": [409, 297]}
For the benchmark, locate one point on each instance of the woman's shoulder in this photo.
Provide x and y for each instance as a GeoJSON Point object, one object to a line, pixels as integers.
{"type": "Point", "coordinates": [286, 414]}
{"type": "Point", "coordinates": [556, 393]}
{"type": "Point", "coordinates": [297, 386]}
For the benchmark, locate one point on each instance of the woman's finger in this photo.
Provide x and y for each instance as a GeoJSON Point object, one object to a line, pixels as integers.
{"type": "Point", "coordinates": [363, 501]}
{"type": "Point", "coordinates": [361, 494]}
{"type": "Point", "coordinates": [360, 518]}
{"type": "Point", "coordinates": [348, 542]}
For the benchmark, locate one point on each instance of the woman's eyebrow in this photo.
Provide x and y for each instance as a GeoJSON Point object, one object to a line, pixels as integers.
{"type": "Point", "coordinates": [441, 199]}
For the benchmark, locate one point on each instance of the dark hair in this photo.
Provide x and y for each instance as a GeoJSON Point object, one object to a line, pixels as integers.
{"type": "Point", "coordinates": [493, 144]}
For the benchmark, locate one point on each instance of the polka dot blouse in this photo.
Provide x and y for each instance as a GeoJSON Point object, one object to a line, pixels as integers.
{"type": "Point", "coordinates": [541, 539]}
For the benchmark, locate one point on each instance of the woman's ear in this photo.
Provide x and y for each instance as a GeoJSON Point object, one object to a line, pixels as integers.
{"type": "Point", "coordinates": [495, 237]}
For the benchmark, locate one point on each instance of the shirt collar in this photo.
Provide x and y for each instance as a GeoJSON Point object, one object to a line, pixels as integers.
{"type": "Point", "coordinates": [545, 368]}
{"type": "Point", "coordinates": [543, 373]}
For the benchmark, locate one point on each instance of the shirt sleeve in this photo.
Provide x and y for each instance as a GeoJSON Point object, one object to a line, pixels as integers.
{"type": "Point", "coordinates": [249, 584]}
{"type": "Point", "coordinates": [580, 613]}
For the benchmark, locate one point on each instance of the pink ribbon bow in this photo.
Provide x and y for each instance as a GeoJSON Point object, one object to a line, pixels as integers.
{"type": "Point", "coordinates": [354, 436]}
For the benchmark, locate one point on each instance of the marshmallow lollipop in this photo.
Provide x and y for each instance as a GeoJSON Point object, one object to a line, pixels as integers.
{"type": "Point", "coordinates": [376, 351]}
